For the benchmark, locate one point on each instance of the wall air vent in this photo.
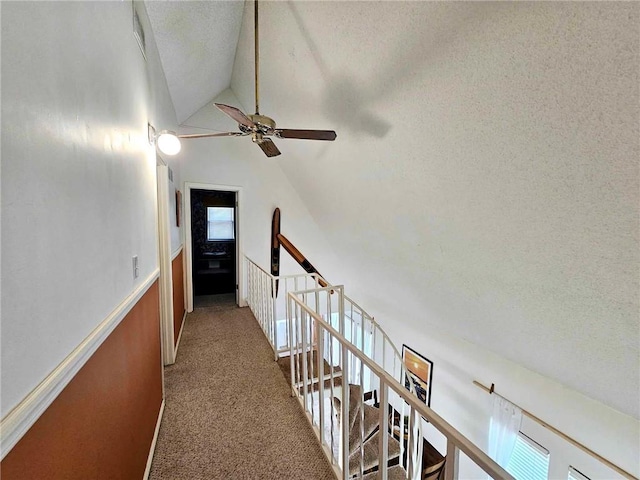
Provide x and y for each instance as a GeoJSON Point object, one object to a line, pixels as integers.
{"type": "Point", "coordinates": [138, 31]}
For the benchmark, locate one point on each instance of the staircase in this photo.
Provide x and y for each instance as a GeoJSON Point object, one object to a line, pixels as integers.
{"type": "Point", "coordinates": [363, 421]}
{"type": "Point", "coordinates": [350, 381]}
{"type": "Point", "coordinates": [364, 438]}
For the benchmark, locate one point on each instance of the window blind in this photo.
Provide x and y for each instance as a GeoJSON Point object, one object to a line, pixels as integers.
{"type": "Point", "coordinates": [529, 460]}
{"type": "Point", "coordinates": [220, 223]}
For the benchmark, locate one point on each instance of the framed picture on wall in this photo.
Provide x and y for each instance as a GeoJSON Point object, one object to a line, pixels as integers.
{"type": "Point", "coordinates": [420, 371]}
{"type": "Point", "coordinates": [178, 206]}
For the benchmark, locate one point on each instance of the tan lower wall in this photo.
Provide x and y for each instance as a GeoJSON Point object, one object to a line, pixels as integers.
{"type": "Point", "coordinates": [178, 294]}
{"type": "Point", "coordinates": [102, 424]}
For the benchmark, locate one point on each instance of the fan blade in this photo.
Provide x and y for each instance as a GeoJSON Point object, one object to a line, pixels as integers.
{"type": "Point", "coordinates": [269, 148]}
{"type": "Point", "coordinates": [205, 135]}
{"type": "Point", "coordinates": [236, 114]}
{"type": "Point", "coordinates": [329, 135]}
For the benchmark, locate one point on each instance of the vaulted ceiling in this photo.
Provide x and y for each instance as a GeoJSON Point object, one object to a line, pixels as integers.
{"type": "Point", "coordinates": [197, 43]}
{"type": "Point", "coordinates": [483, 180]}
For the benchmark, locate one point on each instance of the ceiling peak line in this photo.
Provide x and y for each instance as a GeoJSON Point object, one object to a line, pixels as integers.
{"type": "Point", "coordinates": [201, 128]}
{"type": "Point", "coordinates": [260, 127]}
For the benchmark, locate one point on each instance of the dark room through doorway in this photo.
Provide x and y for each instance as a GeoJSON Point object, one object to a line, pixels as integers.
{"type": "Point", "coordinates": [213, 243]}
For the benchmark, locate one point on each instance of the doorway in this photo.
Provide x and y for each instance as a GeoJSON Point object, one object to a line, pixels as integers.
{"type": "Point", "coordinates": [213, 257]}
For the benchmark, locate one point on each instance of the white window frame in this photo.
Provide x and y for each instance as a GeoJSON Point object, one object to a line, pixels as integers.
{"type": "Point", "coordinates": [211, 226]}
{"type": "Point", "coordinates": [575, 474]}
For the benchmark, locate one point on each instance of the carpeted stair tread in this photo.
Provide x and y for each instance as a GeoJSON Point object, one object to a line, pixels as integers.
{"type": "Point", "coordinates": [312, 361]}
{"type": "Point", "coordinates": [337, 383]}
{"type": "Point", "coordinates": [371, 451]}
{"type": "Point", "coordinates": [371, 422]}
{"type": "Point", "coordinates": [355, 399]}
{"type": "Point", "coordinates": [397, 472]}
{"type": "Point", "coordinates": [285, 366]}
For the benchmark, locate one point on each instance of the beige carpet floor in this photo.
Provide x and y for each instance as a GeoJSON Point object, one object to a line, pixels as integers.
{"type": "Point", "coordinates": [228, 412]}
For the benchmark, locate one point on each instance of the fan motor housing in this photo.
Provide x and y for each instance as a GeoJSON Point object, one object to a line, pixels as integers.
{"type": "Point", "coordinates": [263, 121]}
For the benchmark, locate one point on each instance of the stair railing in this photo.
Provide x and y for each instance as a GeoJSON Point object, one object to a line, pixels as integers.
{"type": "Point", "coordinates": [358, 329]}
{"type": "Point", "coordinates": [293, 329]}
{"type": "Point", "coordinates": [269, 308]}
{"type": "Point", "coordinates": [356, 324]}
{"type": "Point", "coordinates": [362, 331]}
{"type": "Point", "coordinates": [317, 318]}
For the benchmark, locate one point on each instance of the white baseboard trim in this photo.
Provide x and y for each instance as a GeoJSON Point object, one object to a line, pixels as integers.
{"type": "Point", "coordinates": [176, 253]}
{"type": "Point", "coordinates": [20, 419]}
{"type": "Point", "coordinates": [184, 318]}
{"type": "Point", "coordinates": [152, 450]}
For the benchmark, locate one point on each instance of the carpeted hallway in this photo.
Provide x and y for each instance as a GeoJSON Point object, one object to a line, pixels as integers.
{"type": "Point", "coordinates": [228, 412]}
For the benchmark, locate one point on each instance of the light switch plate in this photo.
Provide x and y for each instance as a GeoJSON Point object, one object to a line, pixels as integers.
{"type": "Point", "coordinates": [136, 270]}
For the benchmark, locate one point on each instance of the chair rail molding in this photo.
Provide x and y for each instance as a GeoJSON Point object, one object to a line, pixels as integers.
{"type": "Point", "coordinates": [177, 252]}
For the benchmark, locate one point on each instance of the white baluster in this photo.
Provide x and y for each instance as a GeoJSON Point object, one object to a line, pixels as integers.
{"type": "Point", "coordinates": [451, 464]}
{"type": "Point", "coordinates": [303, 319]}
{"type": "Point", "coordinates": [419, 466]}
{"type": "Point", "coordinates": [411, 440]}
{"type": "Point", "coordinates": [361, 348]}
{"type": "Point", "coordinates": [290, 310]}
{"type": "Point", "coordinates": [401, 427]}
{"type": "Point", "coordinates": [373, 354]}
{"type": "Point", "coordinates": [361, 415]}
{"type": "Point", "coordinates": [288, 335]}
{"type": "Point", "coordinates": [298, 347]}
{"type": "Point", "coordinates": [332, 391]}
{"type": "Point", "coordinates": [321, 413]}
{"type": "Point", "coordinates": [345, 414]}
{"type": "Point", "coordinates": [274, 316]}
{"type": "Point", "coordinates": [383, 453]}
{"type": "Point", "coordinates": [310, 346]}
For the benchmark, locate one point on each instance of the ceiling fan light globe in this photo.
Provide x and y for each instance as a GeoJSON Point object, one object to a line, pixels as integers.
{"type": "Point", "coordinates": [168, 142]}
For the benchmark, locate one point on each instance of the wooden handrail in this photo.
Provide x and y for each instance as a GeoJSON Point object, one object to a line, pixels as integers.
{"type": "Point", "coordinates": [584, 448]}
{"type": "Point", "coordinates": [298, 257]}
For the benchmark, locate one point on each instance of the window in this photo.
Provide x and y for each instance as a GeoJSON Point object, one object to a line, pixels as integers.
{"type": "Point", "coordinates": [529, 460]}
{"type": "Point", "coordinates": [220, 223]}
{"type": "Point", "coordinates": [576, 475]}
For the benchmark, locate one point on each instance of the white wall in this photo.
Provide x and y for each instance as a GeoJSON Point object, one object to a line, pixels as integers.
{"type": "Point", "coordinates": [176, 232]}
{"type": "Point", "coordinates": [457, 363]}
{"type": "Point", "coordinates": [78, 183]}
{"type": "Point", "coordinates": [483, 193]}
{"type": "Point", "coordinates": [159, 96]}
{"type": "Point", "coordinates": [500, 200]}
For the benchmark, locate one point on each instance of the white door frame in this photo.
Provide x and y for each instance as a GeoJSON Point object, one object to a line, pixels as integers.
{"type": "Point", "coordinates": [164, 260]}
{"type": "Point", "coordinates": [188, 186]}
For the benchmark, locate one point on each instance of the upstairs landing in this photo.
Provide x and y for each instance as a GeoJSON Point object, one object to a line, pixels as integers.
{"type": "Point", "coordinates": [229, 411]}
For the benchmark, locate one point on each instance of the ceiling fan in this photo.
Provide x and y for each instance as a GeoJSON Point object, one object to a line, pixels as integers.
{"type": "Point", "coordinates": [260, 127]}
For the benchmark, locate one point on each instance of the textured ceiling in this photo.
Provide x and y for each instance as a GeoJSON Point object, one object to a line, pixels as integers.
{"type": "Point", "coordinates": [197, 44]}
{"type": "Point", "coordinates": [484, 181]}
